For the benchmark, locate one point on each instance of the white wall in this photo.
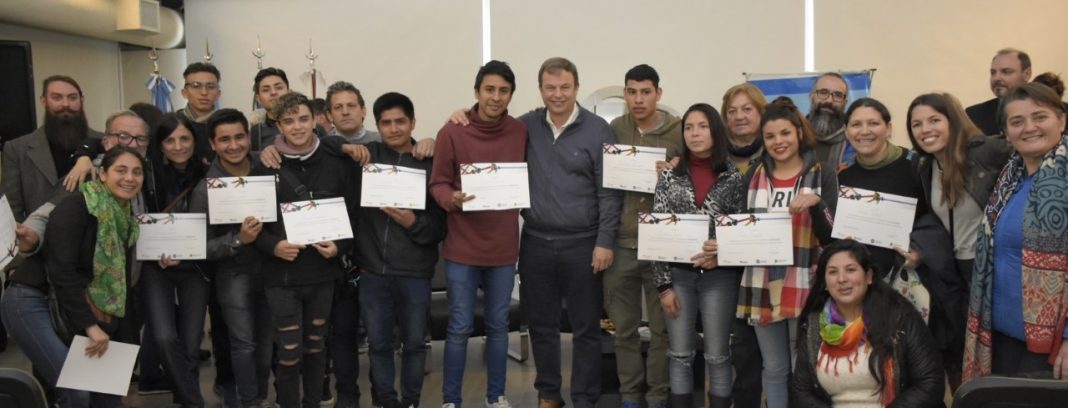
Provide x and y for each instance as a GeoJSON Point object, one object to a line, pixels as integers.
{"type": "Point", "coordinates": [923, 46]}
{"type": "Point", "coordinates": [93, 63]}
{"type": "Point", "coordinates": [428, 50]}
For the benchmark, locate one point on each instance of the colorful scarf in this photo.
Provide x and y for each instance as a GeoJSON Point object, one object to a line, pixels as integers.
{"type": "Point", "coordinates": [842, 339]}
{"type": "Point", "coordinates": [770, 294]}
{"type": "Point", "coordinates": [1045, 262]}
{"type": "Point", "coordinates": [116, 231]}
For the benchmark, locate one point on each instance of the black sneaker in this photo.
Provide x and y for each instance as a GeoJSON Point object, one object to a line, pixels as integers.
{"type": "Point", "coordinates": [328, 397]}
{"type": "Point", "coordinates": [153, 388]}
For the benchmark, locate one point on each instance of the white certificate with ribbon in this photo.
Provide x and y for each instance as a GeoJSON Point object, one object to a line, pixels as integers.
{"type": "Point", "coordinates": [874, 218]}
{"type": "Point", "coordinates": [631, 168]}
{"type": "Point", "coordinates": [231, 199]}
{"type": "Point", "coordinates": [755, 239]}
{"type": "Point", "coordinates": [175, 236]}
{"type": "Point", "coordinates": [671, 237]}
{"type": "Point", "coordinates": [308, 222]}
{"type": "Point", "coordinates": [9, 246]}
{"type": "Point", "coordinates": [496, 186]}
{"type": "Point", "coordinates": [386, 185]}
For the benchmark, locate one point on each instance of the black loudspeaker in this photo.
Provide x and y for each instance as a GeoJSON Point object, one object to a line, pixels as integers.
{"type": "Point", "coordinates": [18, 114]}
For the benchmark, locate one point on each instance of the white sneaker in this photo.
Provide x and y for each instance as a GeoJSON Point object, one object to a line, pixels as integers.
{"type": "Point", "coordinates": [501, 402]}
{"type": "Point", "coordinates": [448, 405]}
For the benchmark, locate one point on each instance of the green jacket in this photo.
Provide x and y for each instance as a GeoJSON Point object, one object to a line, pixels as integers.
{"type": "Point", "coordinates": [668, 136]}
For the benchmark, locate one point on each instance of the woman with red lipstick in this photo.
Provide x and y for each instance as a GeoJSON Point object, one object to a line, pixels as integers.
{"type": "Point", "coordinates": [957, 167]}
{"type": "Point", "coordinates": [862, 344]}
{"type": "Point", "coordinates": [787, 178]}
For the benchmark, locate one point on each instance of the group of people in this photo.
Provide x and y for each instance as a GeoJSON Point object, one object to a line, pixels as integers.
{"type": "Point", "coordinates": [827, 330]}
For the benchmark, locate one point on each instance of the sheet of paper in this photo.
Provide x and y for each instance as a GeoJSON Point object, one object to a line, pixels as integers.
{"type": "Point", "coordinates": [176, 236]}
{"type": "Point", "coordinates": [385, 185]}
{"type": "Point", "coordinates": [231, 199]}
{"type": "Point", "coordinates": [671, 237]}
{"type": "Point", "coordinates": [874, 218]}
{"type": "Point", "coordinates": [496, 186]}
{"type": "Point", "coordinates": [755, 239]}
{"type": "Point", "coordinates": [308, 222]}
{"type": "Point", "coordinates": [631, 168]}
{"type": "Point", "coordinates": [108, 374]}
{"type": "Point", "coordinates": [9, 246]}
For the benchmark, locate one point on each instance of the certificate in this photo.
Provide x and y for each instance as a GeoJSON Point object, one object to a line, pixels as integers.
{"type": "Point", "coordinates": [176, 236]}
{"type": "Point", "coordinates": [231, 199]}
{"type": "Point", "coordinates": [496, 186]}
{"type": "Point", "coordinates": [755, 239]}
{"type": "Point", "coordinates": [631, 168]}
{"type": "Point", "coordinates": [108, 374]}
{"type": "Point", "coordinates": [386, 185]}
{"type": "Point", "coordinates": [9, 246]}
{"type": "Point", "coordinates": [671, 237]}
{"type": "Point", "coordinates": [308, 222]}
{"type": "Point", "coordinates": [874, 218]}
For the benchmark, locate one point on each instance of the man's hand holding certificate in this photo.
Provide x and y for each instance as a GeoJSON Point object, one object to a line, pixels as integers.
{"type": "Point", "coordinates": [495, 186]}
{"type": "Point", "coordinates": [172, 236]}
{"type": "Point", "coordinates": [386, 185]}
{"type": "Point", "coordinates": [755, 239]}
{"type": "Point", "coordinates": [874, 218]}
{"type": "Point", "coordinates": [631, 168]}
{"type": "Point", "coordinates": [671, 237]}
{"type": "Point", "coordinates": [309, 222]}
{"type": "Point", "coordinates": [231, 199]}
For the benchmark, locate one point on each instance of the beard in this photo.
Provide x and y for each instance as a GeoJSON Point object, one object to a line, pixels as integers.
{"type": "Point", "coordinates": [826, 123]}
{"type": "Point", "coordinates": [66, 133]}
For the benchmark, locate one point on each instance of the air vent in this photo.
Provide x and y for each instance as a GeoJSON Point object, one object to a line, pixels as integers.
{"type": "Point", "coordinates": [137, 16]}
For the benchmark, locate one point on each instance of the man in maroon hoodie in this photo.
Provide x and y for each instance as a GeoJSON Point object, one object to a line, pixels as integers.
{"type": "Point", "coordinates": [481, 247]}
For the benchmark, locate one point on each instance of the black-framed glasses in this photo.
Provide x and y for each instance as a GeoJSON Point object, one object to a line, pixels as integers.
{"type": "Point", "coordinates": [196, 86]}
{"type": "Point", "coordinates": [834, 95]}
{"type": "Point", "coordinates": [126, 138]}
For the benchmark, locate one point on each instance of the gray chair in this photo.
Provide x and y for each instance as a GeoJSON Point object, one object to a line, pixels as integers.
{"type": "Point", "coordinates": [18, 389]}
{"type": "Point", "coordinates": [1006, 392]}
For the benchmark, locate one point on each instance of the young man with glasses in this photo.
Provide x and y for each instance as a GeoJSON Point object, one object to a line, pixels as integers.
{"type": "Point", "coordinates": [202, 92]}
{"type": "Point", "coordinates": [828, 99]}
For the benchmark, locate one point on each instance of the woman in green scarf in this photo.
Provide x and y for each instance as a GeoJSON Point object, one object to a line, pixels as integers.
{"type": "Point", "coordinates": [90, 240]}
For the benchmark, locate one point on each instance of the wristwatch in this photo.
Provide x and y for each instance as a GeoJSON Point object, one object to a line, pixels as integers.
{"type": "Point", "coordinates": [236, 244]}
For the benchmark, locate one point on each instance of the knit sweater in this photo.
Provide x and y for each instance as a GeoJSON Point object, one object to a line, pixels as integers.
{"type": "Point", "coordinates": [669, 136]}
{"type": "Point", "coordinates": [480, 238]}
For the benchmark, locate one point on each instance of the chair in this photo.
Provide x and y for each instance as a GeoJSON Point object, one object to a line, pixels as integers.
{"type": "Point", "coordinates": [1006, 392]}
{"type": "Point", "coordinates": [18, 389]}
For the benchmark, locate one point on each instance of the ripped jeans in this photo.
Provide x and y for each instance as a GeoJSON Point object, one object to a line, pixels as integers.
{"type": "Point", "coordinates": [300, 315]}
{"type": "Point", "coordinates": [712, 295]}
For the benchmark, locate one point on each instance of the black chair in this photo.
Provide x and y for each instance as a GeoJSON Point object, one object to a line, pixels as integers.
{"type": "Point", "coordinates": [18, 389]}
{"type": "Point", "coordinates": [439, 316]}
{"type": "Point", "coordinates": [1006, 392]}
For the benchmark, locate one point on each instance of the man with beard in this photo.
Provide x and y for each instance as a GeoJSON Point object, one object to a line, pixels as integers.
{"type": "Point", "coordinates": [1009, 68]}
{"type": "Point", "coordinates": [828, 99]}
{"type": "Point", "coordinates": [33, 164]}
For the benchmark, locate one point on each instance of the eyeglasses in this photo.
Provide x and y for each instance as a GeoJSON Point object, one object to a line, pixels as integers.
{"type": "Point", "coordinates": [823, 94]}
{"type": "Point", "coordinates": [196, 86]}
{"type": "Point", "coordinates": [126, 138]}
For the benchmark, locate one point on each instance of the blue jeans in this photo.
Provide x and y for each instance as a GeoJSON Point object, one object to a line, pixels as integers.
{"type": "Point", "coordinates": [712, 295]}
{"type": "Point", "coordinates": [464, 281]}
{"type": "Point", "coordinates": [388, 301]}
{"type": "Point", "coordinates": [776, 343]}
{"type": "Point", "coordinates": [244, 308]}
{"type": "Point", "coordinates": [25, 312]}
{"type": "Point", "coordinates": [177, 337]}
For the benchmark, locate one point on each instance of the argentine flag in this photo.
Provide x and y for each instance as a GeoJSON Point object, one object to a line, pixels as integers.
{"type": "Point", "coordinates": [798, 86]}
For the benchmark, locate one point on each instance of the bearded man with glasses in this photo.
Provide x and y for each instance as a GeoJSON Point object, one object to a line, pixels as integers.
{"type": "Point", "coordinates": [826, 114]}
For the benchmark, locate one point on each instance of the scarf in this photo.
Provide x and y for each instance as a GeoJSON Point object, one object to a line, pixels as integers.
{"type": "Point", "coordinates": [893, 152]}
{"type": "Point", "coordinates": [116, 231]}
{"type": "Point", "coordinates": [842, 339]}
{"type": "Point", "coordinates": [286, 150]}
{"type": "Point", "coordinates": [746, 151]}
{"type": "Point", "coordinates": [769, 294]}
{"type": "Point", "coordinates": [1045, 265]}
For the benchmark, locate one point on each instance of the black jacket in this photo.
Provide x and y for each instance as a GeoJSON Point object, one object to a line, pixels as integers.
{"type": "Point", "coordinates": [917, 363]}
{"type": "Point", "coordinates": [985, 116]}
{"type": "Point", "coordinates": [224, 251]}
{"type": "Point", "coordinates": [986, 156]}
{"type": "Point", "coordinates": [324, 175]}
{"type": "Point", "coordinates": [383, 246]}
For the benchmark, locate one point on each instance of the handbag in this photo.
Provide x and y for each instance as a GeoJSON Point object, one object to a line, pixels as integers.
{"type": "Point", "coordinates": [59, 317]}
{"type": "Point", "coordinates": [906, 282]}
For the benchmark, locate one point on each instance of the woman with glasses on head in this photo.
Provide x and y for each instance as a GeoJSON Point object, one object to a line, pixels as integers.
{"type": "Point", "coordinates": [861, 343]}
{"type": "Point", "coordinates": [1019, 293]}
{"type": "Point", "coordinates": [704, 181]}
{"type": "Point", "coordinates": [957, 167]}
{"type": "Point", "coordinates": [788, 178]}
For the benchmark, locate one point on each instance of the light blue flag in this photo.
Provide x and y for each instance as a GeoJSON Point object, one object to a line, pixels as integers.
{"type": "Point", "coordinates": [161, 89]}
{"type": "Point", "coordinates": [798, 86]}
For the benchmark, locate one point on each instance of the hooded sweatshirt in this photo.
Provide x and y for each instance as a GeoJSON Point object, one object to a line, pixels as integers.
{"type": "Point", "coordinates": [668, 135]}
